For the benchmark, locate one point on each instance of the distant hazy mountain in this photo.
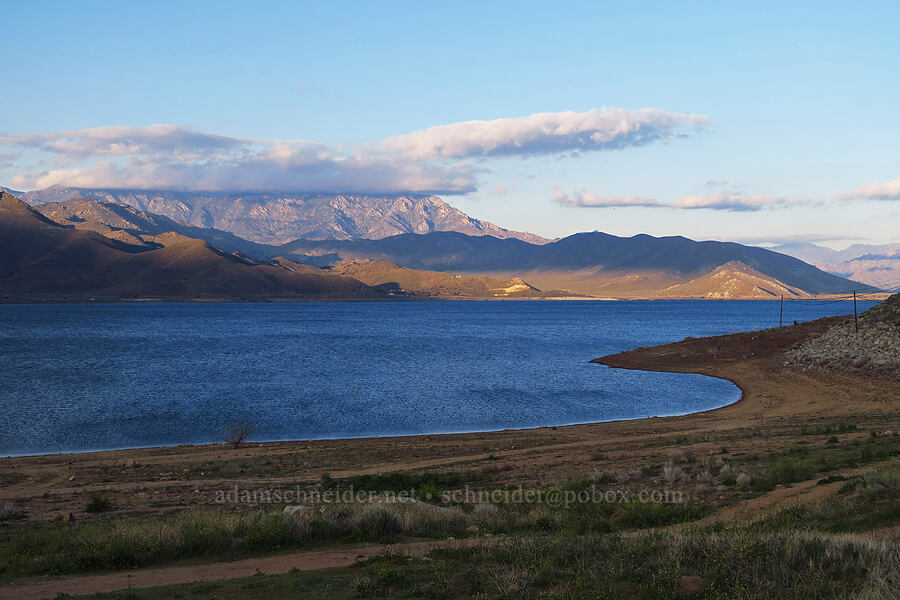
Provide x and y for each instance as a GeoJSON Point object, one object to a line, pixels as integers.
{"type": "Point", "coordinates": [278, 218]}
{"type": "Point", "coordinates": [42, 259]}
{"type": "Point", "coordinates": [877, 265]}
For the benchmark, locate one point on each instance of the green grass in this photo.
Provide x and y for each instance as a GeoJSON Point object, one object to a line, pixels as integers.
{"type": "Point", "coordinates": [787, 469]}
{"type": "Point", "coordinates": [731, 563]}
{"type": "Point", "coordinates": [56, 548]}
{"type": "Point", "coordinates": [865, 502]}
{"type": "Point", "coordinates": [807, 461]}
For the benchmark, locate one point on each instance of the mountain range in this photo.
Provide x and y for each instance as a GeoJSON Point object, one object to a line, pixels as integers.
{"type": "Point", "coordinates": [595, 263]}
{"type": "Point", "coordinates": [278, 218]}
{"type": "Point", "coordinates": [877, 265]}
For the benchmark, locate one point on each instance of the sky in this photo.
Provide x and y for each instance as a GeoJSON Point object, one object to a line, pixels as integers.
{"type": "Point", "coordinates": [755, 122]}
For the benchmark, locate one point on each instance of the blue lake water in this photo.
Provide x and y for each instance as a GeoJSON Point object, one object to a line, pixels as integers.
{"type": "Point", "coordinates": [103, 376]}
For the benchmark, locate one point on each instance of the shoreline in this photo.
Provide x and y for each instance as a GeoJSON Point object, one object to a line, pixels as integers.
{"type": "Point", "coordinates": [387, 437]}
{"type": "Point", "coordinates": [635, 360]}
{"type": "Point", "coordinates": [88, 300]}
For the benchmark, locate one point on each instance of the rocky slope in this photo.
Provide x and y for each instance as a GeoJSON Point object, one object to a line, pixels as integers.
{"type": "Point", "coordinates": [278, 218]}
{"type": "Point", "coordinates": [873, 350]}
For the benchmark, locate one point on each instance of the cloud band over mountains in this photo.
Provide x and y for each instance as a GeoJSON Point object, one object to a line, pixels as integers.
{"type": "Point", "coordinates": [581, 198]}
{"type": "Point", "coordinates": [432, 160]}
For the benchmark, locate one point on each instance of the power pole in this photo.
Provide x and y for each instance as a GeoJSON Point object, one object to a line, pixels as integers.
{"type": "Point", "coordinates": [855, 316]}
{"type": "Point", "coordinates": [781, 312]}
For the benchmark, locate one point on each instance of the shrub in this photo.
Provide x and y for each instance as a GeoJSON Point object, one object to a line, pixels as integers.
{"type": "Point", "coordinates": [380, 522]}
{"type": "Point", "coordinates": [98, 503]}
{"type": "Point", "coordinates": [878, 483]}
{"type": "Point", "coordinates": [826, 429]}
{"type": "Point", "coordinates": [238, 433]}
{"type": "Point", "coordinates": [672, 473]}
{"type": "Point", "coordinates": [9, 511]}
{"type": "Point", "coordinates": [786, 469]}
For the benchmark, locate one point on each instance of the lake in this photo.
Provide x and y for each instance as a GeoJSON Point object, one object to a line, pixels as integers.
{"type": "Point", "coordinates": [83, 377]}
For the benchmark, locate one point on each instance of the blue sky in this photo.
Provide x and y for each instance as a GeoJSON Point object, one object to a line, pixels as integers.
{"type": "Point", "coordinates": [775, 122]}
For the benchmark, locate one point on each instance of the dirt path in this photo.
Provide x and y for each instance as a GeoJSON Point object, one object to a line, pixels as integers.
{"type": "Point", "coordinates": [270, 565]}
{"type": "Point", "coordinates": [805, 491]}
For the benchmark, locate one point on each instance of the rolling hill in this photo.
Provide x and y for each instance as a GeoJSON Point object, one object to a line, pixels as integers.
{"type": "Point", "coordinates": [43, 259]}
{"type": "Point", "coordinates": [388, 277]}
{"type": "Point", "coordinates": [733, 280]}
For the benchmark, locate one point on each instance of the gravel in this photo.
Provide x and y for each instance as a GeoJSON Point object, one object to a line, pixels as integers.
{"type": "Point", "coordinates": [874, 351]}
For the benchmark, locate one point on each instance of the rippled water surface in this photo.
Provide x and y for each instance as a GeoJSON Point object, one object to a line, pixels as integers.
{"type": "Point", "coordinates": [84, 377]}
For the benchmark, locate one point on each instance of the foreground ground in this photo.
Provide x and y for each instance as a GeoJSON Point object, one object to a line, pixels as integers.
{"type": "Point", "coordinates": [792, 489]}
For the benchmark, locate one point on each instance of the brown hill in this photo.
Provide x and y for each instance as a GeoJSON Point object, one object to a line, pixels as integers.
{"type": "Point", "coordinates": [133, 226]}
{"type": "Point", "coordinates": [42, 259]}
{"type": "Point", "coordinates": [389, 277]}
{"type": "Point", "coordinates": [733, 280]}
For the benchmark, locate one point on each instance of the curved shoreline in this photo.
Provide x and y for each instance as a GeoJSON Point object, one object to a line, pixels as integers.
{"type": "Point", "coordinates": [655, 359]}
{"type": "Point", "coordinates": [775, 404]}
{"type": "Point", "coordinates": [389, 436]}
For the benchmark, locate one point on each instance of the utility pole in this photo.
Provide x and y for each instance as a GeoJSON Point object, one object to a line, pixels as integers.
{"type": "Point", "coordinates": [855, 317]}
{"type": "Point", "coordinates": [781, 312]}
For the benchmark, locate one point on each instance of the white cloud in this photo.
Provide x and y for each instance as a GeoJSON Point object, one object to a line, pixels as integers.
{"type": "Point", "coordinates": [584, 199]}
{"type": "Point", "coordinates": [81, 144]}
{"type": "Point", "coordinates": [875, 190]}
{"type": "Point", "coordinates": [269, 171]}
{"type": "Point", "coordinates": [732, 202]}
{"type": "Point", "coordinates": [432, 160]}
{"type": "Point", "coordinates": [777, 240]}
{"type": "Point", "coordinates": [173, 157]}
{"type": "Point", "coordinates": [543, 133]}
{"type": "Point", "coordinates": [581, 198]}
